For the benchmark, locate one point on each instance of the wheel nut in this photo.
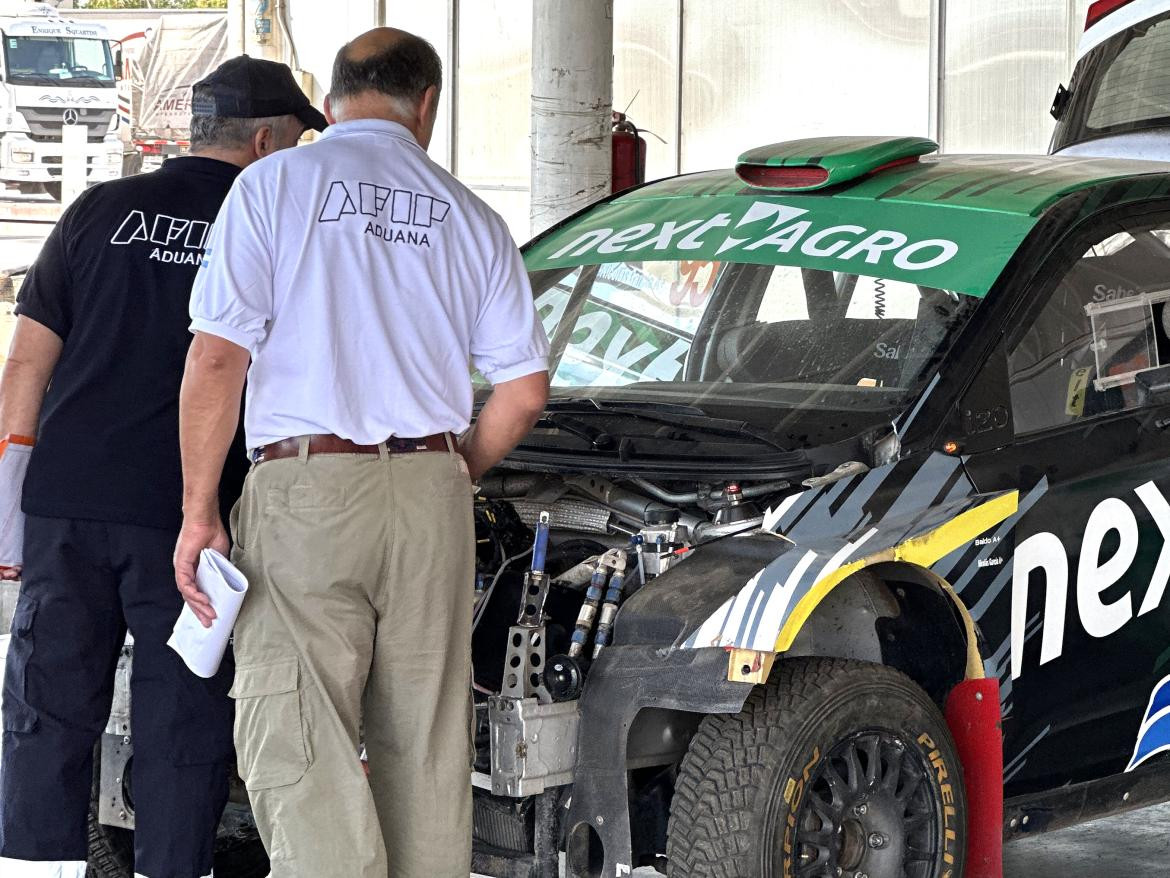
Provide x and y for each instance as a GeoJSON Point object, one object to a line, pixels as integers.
{"type": "Point", "coordinates": [861, 809]}
{"type": "Point", "coordinates": [860, 875]}
{"type": "Point", "coordinates": [877, 840]}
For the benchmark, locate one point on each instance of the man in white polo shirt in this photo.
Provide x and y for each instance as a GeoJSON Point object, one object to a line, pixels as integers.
{"type": "Point", "coordinates": [361, 280]}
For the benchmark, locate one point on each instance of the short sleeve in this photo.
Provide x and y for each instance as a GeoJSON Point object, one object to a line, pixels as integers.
{"type": "Point", "coordinates": [233, 296]}
{"type": "Point", "coordinates": [46, 295]}
{"type": "Point", "coordinates": [508, 340]}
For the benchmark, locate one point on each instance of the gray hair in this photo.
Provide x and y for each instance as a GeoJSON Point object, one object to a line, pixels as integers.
{"type": "Point", "coordinates": [226, 132]}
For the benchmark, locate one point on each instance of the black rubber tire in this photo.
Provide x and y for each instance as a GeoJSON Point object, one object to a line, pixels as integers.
{"type": "Point", "coordinates": [111, 848]}
{"type": "Point", "coordinates": [729, 816]}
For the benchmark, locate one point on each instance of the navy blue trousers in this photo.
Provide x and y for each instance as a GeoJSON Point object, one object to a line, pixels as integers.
{"type": "Point", "coordinates": [84, 584]}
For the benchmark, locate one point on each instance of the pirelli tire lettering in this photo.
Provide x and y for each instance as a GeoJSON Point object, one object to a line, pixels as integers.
{"type": "Point", "coordinates": [946, 787]}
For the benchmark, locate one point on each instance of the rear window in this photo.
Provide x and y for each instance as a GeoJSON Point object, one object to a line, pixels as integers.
{"type": "Point", "coordinates": [1135, 83]}
{"type": "Point", "coordinates": [1121, 86]}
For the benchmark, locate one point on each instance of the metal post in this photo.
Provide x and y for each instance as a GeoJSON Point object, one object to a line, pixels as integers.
{"type": "Point", "coordinates": [938, 68]}
{"type": "Point", "coordinates": [572, 102]}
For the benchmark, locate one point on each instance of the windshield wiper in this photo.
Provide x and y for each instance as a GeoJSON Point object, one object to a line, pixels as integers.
{"type": "Point", "coordinates": [671, 414]}
{"type": "Point", "coordinates": [597, 439]}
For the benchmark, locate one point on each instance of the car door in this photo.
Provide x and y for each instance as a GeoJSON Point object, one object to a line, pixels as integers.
{"type": "Point", "coordinates": [1081, 622]}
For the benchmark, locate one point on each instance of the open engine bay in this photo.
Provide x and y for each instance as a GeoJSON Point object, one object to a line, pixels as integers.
{"type": "Point", "coordinates": [557, 557]}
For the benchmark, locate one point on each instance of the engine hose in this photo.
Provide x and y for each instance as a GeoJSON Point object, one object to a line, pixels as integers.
{"type": "Point", "coordinates": [506, 484]}
{"type": "Point", "coordinates": [694, 496]}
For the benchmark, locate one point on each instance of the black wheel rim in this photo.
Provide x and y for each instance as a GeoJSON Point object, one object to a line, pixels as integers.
{"type": "Point", "coordinates": [870, 809]}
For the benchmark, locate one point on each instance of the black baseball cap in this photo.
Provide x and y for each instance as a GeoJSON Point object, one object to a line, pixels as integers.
{"type": "Point", "coordinates": [251, 88]}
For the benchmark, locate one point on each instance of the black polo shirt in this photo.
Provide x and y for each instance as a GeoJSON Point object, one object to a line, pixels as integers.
{"type": "Point", "coordinates": [113, 281]}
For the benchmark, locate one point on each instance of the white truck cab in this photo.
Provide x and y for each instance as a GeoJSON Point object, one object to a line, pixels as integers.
{"type": "Point", "coordinates": [54, 72]}
{"type": "Point", "coordinates": [1117, 104]}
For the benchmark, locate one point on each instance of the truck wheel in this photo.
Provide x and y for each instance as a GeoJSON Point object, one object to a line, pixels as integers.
{"type": "Point", "coordinates": [833, 768]}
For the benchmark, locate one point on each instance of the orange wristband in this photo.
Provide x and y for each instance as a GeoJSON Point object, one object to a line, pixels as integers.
{"type": "Point", "coordinates": [15, 439]}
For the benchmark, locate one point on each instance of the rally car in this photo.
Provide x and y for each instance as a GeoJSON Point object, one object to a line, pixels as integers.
{"type": "Point", "coordinates": [847, 519]}
{"type": "Point", "coordinates": [856, 456]}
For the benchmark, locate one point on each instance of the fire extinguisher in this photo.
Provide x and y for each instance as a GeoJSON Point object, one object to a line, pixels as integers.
{"type": "Point", "coordinates": [629, 154]}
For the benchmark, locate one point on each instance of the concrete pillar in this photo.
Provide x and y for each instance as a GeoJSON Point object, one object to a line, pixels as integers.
{"type": "Point", "coordinates": [572, 99]}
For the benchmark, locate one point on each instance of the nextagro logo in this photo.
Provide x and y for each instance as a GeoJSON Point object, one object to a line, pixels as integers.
{"type": "Point", "coordinates": [788, 229]}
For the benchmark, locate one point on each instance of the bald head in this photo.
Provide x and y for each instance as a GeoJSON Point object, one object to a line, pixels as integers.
{"type": "Point", "coordinates": [373, 42]}
{"type": "Point", "coordinates": [386, 62]}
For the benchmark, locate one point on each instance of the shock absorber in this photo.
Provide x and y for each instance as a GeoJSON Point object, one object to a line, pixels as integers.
{"type": "Point", "coordinates": [613, 597]}
{"type": "Point", "coordinates": [565, 674]}
{"type": "Point", "coordinates": [588, 612]}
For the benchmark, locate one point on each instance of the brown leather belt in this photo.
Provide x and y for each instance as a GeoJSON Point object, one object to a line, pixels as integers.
{"type": "Point", "coordinates": [327, 443]}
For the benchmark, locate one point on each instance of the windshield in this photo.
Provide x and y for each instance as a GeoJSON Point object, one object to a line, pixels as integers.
{"type": "Point", "coordinates": [734, 338]}
{"type": "Point", "coordinates": [1121, 86]}
{"type": "Point", "coordinates": [58, 61]}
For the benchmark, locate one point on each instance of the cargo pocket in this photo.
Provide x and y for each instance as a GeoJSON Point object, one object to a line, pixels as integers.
{"type": "Point", "coordinates": [18, 716]}
{"type": "Point", "coordinates": [271, 745]}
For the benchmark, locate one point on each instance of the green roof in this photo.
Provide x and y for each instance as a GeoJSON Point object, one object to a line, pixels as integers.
{"type": "Point", "coordinates": [1024, 185]}
{"type": "Point", "coordinates": [951, 222]}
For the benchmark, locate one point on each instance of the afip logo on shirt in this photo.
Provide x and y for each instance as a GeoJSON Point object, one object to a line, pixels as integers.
{"type": "Point", "coordinates": [180, 240]}
{"type": "Point", "coordinates": [395, 207]}
{"type": "Point", "coordinates": [1154, 734]}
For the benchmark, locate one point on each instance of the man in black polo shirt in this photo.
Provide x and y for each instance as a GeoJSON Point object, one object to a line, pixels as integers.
{"type": "Point", "coordinates": [93, 374]}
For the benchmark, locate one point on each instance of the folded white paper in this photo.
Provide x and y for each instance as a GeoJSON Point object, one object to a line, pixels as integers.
{"type": "Point", "coordinates": [13, 464]}
{"type": "Point", "coordinates": [202, 648]}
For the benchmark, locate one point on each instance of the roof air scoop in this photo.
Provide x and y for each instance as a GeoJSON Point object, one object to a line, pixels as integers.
{"type": "Point", "coordinates": [820, 162]}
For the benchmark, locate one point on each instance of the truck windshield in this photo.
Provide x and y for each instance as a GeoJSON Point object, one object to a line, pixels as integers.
{"type": "Point", "coordinates": [1120, 86]}
{"type": "Point", "coordinates": [58, 61]}
{"type": "Point", "coordinates": [743, 336]}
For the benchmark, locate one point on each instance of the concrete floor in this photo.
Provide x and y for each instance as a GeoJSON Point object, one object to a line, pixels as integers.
{"type": "Point", "coordinates": [1133, 845]}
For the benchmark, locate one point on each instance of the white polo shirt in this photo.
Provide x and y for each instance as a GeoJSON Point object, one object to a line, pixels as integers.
{"type": "Point", "coordinates": [363, 279]}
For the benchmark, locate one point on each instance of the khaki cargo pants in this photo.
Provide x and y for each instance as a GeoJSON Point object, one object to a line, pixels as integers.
{"type": "Point", "coordinates": [357, 627]}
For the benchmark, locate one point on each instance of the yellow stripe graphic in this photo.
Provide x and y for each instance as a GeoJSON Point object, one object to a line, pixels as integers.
{"type": "Point", "coordinates": [924, 551]}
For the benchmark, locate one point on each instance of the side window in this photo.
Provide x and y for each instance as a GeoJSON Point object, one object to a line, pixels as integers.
{"type": "Point", "coordinates": [1105, 322]}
